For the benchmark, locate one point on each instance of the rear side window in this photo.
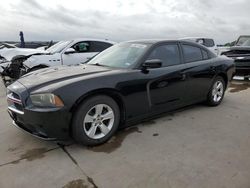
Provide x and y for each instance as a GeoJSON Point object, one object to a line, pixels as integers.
{"type": "Point", "coordinates": [206, 42]}
{"type": "Point", "coordinates": [209, 42]}
{"type": "Point", "coordinates": [97, 46]}
{"type": "Point", "coordinates": [205, 54]}
{"type": "Point", "coordinates": [191, 53]}
{"type": "Point", "coordinates": [169, 54]}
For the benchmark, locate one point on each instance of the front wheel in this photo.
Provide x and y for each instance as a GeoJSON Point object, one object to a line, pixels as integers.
{"type": "Point", "coordinates": [217, 91]}
{"type": "Point", "coordinates": [96, 120]}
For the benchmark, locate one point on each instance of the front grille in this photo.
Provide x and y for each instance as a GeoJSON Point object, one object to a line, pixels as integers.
{"type": "Point", "coordinates": [14, 102]}
{"type": "Point", "coordinates": [235, 53]}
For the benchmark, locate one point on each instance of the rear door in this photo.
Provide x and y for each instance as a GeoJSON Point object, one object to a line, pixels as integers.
{"type": "Point", "coordinates": [167, 84]}
{"type": "Point", "coordinates": [200, 71]}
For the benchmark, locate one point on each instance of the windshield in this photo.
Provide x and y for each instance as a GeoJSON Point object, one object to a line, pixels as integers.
{"type": "Point", "coordinates": [246, 43]}
{"type": "Point", "coordinates": [58, 47]}
{"type": "Point", "coordinates": [242, 41]}
{"type": "Point", "coordinates": [123, 55]}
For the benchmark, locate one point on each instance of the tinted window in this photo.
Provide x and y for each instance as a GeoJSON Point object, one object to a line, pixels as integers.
{"type": "Point", "coordinates": [205, 54]}
{"type": "Point", "coordinates": [82, 47]}
{"type": "Point", "coordinates": [168, 54]}
{"type": "Point", "coordinates": [99, 46]}
{"type": "Point", "coordinates": [242, 40]}
{"type": "Point", "coordinates": [208, 42]}
{"type": "Point", "coordinates": [191, 53]}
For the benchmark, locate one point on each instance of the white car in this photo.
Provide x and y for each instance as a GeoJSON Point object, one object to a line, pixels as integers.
{"type": "Point", "coordinates": [68, 52]}
{"type": "Point", "coordinates": [208, 42]}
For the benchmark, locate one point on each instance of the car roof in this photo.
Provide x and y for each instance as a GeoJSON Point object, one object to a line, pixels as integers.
{"type": "Point", "coordinates": [93, 39]}
{"type": "Point", "coordinates": [155, 41]}
{"type": "Point", "coordinates": [192, 38]}
{"type": "Point", "coordinates": [151, 41]}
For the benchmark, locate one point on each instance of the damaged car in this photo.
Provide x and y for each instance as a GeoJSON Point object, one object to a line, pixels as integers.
{"type": "Point", "coordinates": [70, 52]}
{"type": "Point", "coordinates": [11, 62]}
{"type": "Point", "coordinates": [240, 52]}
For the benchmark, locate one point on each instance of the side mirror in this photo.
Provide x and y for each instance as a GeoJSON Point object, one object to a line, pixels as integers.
{"type": "Point", "coordinates": [152, 64]}
{"type": "Point", "coordinates": [70, 51]}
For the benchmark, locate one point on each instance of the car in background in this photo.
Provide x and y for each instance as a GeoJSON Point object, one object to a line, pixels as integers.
{"type": "Point", "coordinates": [122, 85]}
{"type": "Point", "coordinates": [28, 44]}
{"type": "Point", "coordinates": [4, 45]}
{"type": "Point", "coordinates": [208, 42]}
{"type": "Point", "coordinates": [240, 52]}
{"type": "Point", "coordinates": [70, 52]}
{"type": "Point", "coordinates": [11, 62]}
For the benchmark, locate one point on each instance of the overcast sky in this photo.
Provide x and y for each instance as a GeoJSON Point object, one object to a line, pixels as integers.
{"type": "Point", "coordinates": [121, 20]}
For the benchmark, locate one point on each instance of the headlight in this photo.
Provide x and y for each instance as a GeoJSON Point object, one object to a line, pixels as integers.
{"type": "Point", "coordinates": [46, 100]}
{"type": "Point", "coordinates": [240, 58]}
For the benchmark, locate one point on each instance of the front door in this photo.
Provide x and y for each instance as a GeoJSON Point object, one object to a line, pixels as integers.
{"type": "Point", "coordinates": [82, 54]}
{"type": "Point", "coordinates": [167, 85]}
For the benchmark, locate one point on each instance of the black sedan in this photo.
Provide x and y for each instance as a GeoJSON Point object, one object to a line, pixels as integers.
{"type": "Point", "coordinates": [124, 84]}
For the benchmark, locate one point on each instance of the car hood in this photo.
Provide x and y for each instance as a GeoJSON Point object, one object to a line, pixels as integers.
{"type": "Point", "coordinates": [236, 51]}
{"type": "Point", "coordinates": [8, 54]}
{"type": "Point", "coordinates": [244, 48]}
{"type": "Point", "coordinates": [47, 76]}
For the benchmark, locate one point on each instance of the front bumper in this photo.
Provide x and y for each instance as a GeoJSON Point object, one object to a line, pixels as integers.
{"type": "Point", "coordinates": [44, 125]}
{"type": "Point", "coordinates": [242, 66]}
{"type": "Point", "coordinates": [242, 71]}
{"type": "Point", "coordinates": [48, 124]}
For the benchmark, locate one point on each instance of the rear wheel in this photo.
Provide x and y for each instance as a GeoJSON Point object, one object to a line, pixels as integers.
{"type": "Point", "coordinates": [217, 91]}
{"type": "Point", "coordinates": [96, 120]}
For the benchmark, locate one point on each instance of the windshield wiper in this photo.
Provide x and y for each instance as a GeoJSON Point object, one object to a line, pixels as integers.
{"type": "Point", "coordinates": [97, 64]}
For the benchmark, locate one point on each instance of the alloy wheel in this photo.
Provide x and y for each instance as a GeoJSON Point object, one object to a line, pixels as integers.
{"type": "Point", "coordinates": [98, 121]}
{"type": "Point", "coordinates": [218, 91]}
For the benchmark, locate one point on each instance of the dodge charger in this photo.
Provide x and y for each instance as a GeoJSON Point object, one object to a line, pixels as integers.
{"type": "Point", "coordinates": [122, 85]}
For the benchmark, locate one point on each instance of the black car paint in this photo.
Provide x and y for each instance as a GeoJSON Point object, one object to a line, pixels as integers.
{"type": "Point", "coordinates": [139, 94]}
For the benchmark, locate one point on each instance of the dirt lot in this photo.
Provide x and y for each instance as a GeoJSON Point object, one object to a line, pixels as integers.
{"type": "Point", "coordinates": [197, 147]}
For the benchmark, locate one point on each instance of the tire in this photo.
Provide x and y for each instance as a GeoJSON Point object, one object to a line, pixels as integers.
{"type": "Point", "coordinates": [96, 120]}
{"type": "Point", "coordinates": [217, 91]}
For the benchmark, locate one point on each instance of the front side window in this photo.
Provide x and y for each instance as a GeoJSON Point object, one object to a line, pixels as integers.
{"type": "Point", "coordinates": [191, 53]}
{"type": "Point", "coordinates": [168, 54]}
{"type": "Point", "coordinates": [81, 47]}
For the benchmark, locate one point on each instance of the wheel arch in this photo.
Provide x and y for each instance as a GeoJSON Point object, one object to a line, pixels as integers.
{"type": "Point", "coordinates": [112, 93]}
{"type": "Point", "coordinates": [224, 76]}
